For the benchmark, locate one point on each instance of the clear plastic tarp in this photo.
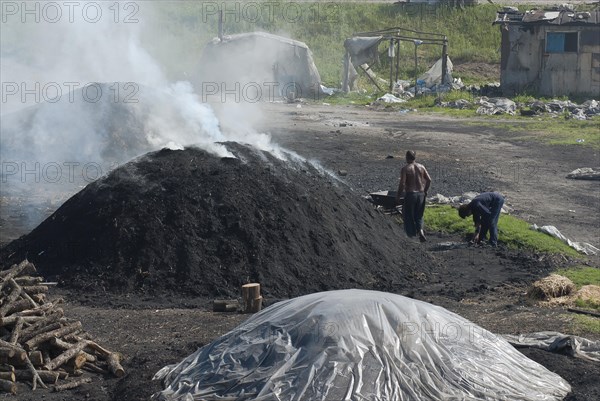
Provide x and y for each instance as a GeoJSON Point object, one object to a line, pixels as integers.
{"type": "Point", "coordinates": [358, 345]}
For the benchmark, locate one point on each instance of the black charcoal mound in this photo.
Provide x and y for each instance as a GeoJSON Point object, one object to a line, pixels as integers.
{"type": "Point", "coordinates": [189, 222]}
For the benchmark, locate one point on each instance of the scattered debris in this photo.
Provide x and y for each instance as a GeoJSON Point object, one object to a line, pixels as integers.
{"type": "Point", "coordinates": [495, 105]}
{"type": "Point", "coordinates": [389, 98]}
{"type": "Point", "coordinates": [457, 104]}
{"type": "Point", "coordinates": [567, 108]}
{"type": "Point", "coordinates": [582, 247]}
{"type": "Point", "coordinates": [559, 343]}
{"type": "Point", "coordinates": [585, 173]}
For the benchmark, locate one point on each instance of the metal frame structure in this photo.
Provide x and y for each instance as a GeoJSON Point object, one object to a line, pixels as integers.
{"type": "Point", "coordinates": [397, 35]}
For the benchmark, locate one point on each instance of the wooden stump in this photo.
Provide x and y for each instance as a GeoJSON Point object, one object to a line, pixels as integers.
{"type": "Point", "coordinates": [8, 386]}
{"type": "Point", "coordinates": [251, 298]}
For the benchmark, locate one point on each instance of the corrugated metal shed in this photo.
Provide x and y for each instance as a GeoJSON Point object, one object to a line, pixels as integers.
{"type": "Point", "coordinates": [511, 16]}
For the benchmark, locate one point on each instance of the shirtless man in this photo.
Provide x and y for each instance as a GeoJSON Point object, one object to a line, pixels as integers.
{"type": "Point", "coordinates": [414, 184]}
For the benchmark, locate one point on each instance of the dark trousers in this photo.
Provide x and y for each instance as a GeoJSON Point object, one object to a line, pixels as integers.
{"type": "Point", "coordinates": [412, 212]}
{"type": "Point", "coordinates": [492, 224]}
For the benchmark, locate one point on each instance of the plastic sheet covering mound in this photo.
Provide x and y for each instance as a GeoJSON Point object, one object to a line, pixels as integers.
{"type": "Point", "coordinates": [358, 345]}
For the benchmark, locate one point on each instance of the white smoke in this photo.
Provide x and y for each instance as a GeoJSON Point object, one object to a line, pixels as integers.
{"type": "Point", "coordinates": [56, 124]}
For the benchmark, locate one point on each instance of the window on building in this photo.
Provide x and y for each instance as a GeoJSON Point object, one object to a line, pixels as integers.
{"type": "Point", "coordinates": [561, 42]}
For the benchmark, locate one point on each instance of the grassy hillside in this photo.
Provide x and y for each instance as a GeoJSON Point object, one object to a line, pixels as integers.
{"type": "Point", "coordinates": [185, 27]}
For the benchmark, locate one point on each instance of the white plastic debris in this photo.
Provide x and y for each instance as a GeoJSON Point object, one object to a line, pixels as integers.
{"type": "Point", "coordinates": [358, 345]}
{"type": "Point", "coordinates": [582, 247]}
{"type": "Point", "coordinates": [585, 173]}
{"type": "Point", "coordinates": [496, 105]}
{"type": "Point", "coordinates": [557, 342]}
{"type": "Point", "coordinates": [433, 76]}
{"type": "Point", "coordinates": [389, 98]}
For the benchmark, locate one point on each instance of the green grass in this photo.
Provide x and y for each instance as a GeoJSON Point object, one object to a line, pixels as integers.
{"type": "Point", "coordinates": [580, 276]}
{"type": "Point", "coordinates": [513, 232]}
{"type": "Point", "coordinates": [583, 325]}
{"type": "Point", "coordinates": [547, 129]}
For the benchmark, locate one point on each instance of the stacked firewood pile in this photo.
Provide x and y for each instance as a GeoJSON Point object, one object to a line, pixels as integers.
{"type": "Point", "coordinates": [38, 344]}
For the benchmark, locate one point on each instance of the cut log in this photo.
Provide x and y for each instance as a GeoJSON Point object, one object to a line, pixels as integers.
{"type": "Point", "coordinates": [23, 293]}
{"type": "Point", "coordinates": [35, 376]}
{"type": "Point", "coordinates": [29, 280]}
{"type": "Point", "coordinates": [251, 297]}
{"type": "Point", "coordinates": [50, 327]}
{"type": "Point", "coordinates": [18, 354]}
{"type": "Point", "coordinates": [6, 344]}
{"type": "Point", "coordinates": [10, 376]}
{"type": "Point", "coordinates": [79, 360]}
{"type": "Point", "coordinates": [10, 299]}
{"type": "Point", "coordinates": [6, 353]}
{"type": "Point", "coordinates": [14, 271]}
{"type": "Point", "coordinates": [225, 305]}
{"type": "Point", "coordinates": [41, 338]}
{"type": "Point", "coordinates": [12, 320]}
{"type": "Point", "coordinates": [96, 348]}
{"type": "Point", "coordinates": [45, 375]}
{"type": "Point", "coordinates": [67, 355]}
{"type": "Point", "coordinates": [42, 325]}
{"type": "Point", "coordinates": [73, 384]}
{"type": "Point", "coordinates": [18, 359]}
{"type": "Point", "coordinates": [18, 306]}
{"type": "Point", "coordinates": [36, 358]}
{"type": "Point", "coordinates": [8, 386]}
{"type": "Point", "coordinates": [58, 343]}
{"type": "Point", "coordinates": [75, 338]}
{"type": "Point", "coordinates": [46, 355]}
{"type": "Point", "coordinates": [39, 298]}
{"type": "Point", "coordinates": [91, 367]}
{"type": "Point", "coordinates": [114, 364]}
{"type": "Point", "coordinates": [89, 357]}
{"type": "Point", "coordinates": [35, 289]}
{"type": "Point", "coordinates": [14, 336]}
{"type": "Point", "coordinates": [63, 345]}
{"type": "Point", "coordinates": [6, 368]}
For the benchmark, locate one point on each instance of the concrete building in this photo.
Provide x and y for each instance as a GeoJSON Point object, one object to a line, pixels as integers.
{"type": "Point", "coordinates": [551, 53]}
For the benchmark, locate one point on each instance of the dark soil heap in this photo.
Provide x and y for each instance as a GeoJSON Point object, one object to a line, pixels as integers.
{"type": "Point", "coordinates": [190, 222]}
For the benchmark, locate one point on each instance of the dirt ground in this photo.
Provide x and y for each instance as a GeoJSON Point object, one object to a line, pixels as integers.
{"type": "Point", "coordinates": [486, 286]}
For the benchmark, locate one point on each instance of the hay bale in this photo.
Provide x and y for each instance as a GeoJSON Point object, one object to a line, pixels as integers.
{"type": "Point", "coordinates": [562, 302]}
{"type": "Point", "coordinates": [589, 294]}
{"type": "Point", "coordinates": [553, 286]}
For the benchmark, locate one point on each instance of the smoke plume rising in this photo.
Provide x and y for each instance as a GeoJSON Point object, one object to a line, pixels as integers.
{"type": "Point", "coordinates": [81, 95]}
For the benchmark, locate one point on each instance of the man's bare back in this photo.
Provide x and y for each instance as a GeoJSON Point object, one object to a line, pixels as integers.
{"type": "Point", "coordinates": [415, 178]}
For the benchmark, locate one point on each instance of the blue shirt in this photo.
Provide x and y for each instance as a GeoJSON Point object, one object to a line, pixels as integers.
{"type": "Point", "coordinates": [484, 206]}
